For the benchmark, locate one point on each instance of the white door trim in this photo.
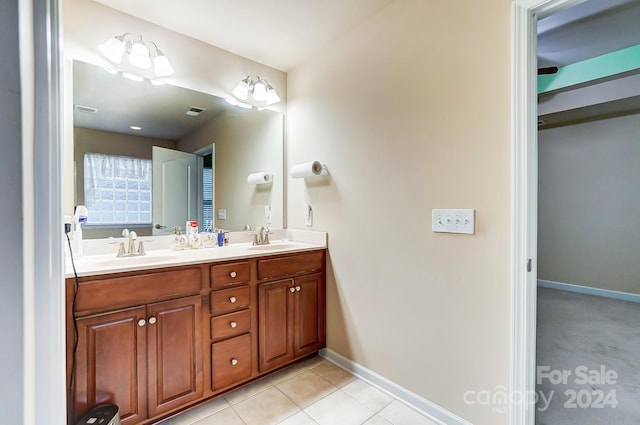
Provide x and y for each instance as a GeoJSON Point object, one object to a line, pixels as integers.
{"type": "Point", "coordinates": [524, 195]}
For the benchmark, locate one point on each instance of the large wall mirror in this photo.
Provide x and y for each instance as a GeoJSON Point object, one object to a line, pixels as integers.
{"type": "Point", "coordinates": [117, 122]}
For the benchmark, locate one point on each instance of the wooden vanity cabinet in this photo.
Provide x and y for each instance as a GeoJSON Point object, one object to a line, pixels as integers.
{"type": "Point", "coordinates": [232, 348]}
{"type": "Point", "coordinates": [160, 341]}
{"type": "Point", "coordinates": [146, 358]}
{"type": "Point", "coordinates": [291, 310]}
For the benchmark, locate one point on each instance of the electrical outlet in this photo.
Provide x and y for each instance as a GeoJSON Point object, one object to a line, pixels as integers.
{"type": "Point", "coordinates": [453, 221]}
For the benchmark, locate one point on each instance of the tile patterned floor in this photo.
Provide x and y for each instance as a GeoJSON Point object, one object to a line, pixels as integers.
{"type": "Point", "coordinates": [315, 392]}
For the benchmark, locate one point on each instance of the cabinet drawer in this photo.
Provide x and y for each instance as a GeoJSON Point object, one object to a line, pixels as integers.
{"type": "Point", "coordinates": [112, 293]}
{"type": "Point", "coordinates": [231, 324]}
{"type": "Point", "coordinates": [229, 274]}
{"type": "Point", "coordinates": [231, 361]}
{"type": "Point", "coordinates": [227, 300]}
{"type": "Point", "coordinates": [290, 265]}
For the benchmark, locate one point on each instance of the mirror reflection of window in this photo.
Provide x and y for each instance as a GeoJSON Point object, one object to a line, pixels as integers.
{"type": "Point", "coordinates": [207, 189]}
{"type": "Point", "coordinates": [117, 189]}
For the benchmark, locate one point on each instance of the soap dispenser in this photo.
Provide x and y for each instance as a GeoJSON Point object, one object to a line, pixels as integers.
{"type": "Point", "coordinates": [81, 214]}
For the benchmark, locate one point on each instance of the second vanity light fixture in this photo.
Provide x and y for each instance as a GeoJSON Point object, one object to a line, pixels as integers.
{"type": "Point", "coordinates": [260, 90]}
{"type": "Point", "coordinates": [141, 54]}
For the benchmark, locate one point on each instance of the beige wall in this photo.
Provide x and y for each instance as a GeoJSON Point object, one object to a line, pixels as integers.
{"type": "Point", "coordinates": [588, 225]}
{"type": "Point", "coordinates": [410, 111]}
{"type": "Point", "coordinates": [245, 143]}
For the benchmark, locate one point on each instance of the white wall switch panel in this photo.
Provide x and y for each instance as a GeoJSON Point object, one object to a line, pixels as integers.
{"type": "Point", "coordinates": [222, 214]}
{"type": "Point", "coordinates": [454, 221]}
{"type": "Point", "coordinates": [267, 213]}
{"type": "Point", "coordinates": [308, 215]}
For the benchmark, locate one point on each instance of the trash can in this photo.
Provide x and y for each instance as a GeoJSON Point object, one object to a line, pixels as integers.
{"type": "Point", "coordinates": [103, 414]}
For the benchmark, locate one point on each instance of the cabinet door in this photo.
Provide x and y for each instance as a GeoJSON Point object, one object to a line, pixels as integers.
{"type": "Point", "coordinates": [276, 318]}
{"type": "Point", "coordinates": [111, 363]}
{"type": "Point", "coordinates": [309, 312]}
{"type": "Point", "coordinates": [174, 335]}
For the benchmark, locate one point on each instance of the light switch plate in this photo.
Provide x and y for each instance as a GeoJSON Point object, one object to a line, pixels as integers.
{"type": "Point", "coordinates": [308, 215]}
{"type": "Point", "coordinates": [453, 221]}
{"type": "Point", "coordinates": [222, 214]}
{"type": "Point", "coordinates": [267, 213]}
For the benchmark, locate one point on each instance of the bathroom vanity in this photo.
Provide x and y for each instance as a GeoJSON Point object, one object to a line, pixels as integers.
{"type": "Point", "coordinates": [157, 338]}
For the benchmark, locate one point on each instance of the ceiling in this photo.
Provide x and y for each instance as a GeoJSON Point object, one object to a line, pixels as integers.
{"type": "Point", "coordinates": [277, 33]}
{"type": "Point", "coordinates": [587, 30]}
{"type": "Point", "coordinates": [284, 33]}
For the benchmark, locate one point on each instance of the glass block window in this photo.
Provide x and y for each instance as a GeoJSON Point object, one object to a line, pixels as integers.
{"type": "Point", "coordinates": [117, 189]}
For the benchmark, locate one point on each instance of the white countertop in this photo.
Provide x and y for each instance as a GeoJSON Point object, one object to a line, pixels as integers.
{"type": "Point", "coordinates": [295, 241]}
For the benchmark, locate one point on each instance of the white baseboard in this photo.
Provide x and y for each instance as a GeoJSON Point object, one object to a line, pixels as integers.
{"type": "Point", "coordinates": [607, 293]}
{"type": "Point", "coordinates": [427, 408]}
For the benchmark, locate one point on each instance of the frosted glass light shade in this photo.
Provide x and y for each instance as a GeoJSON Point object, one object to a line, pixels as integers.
{"type": "Point", "coordinates": [272, 96]}
{"type": "Point", "coordinates": [242, 90]}
{"type": "Point", "coordinates": [113, 49]}
{"type": "Point", "coordinates": [139, 55]}
{"type": "Point", "coordinates": [162, 66]}
{"type": "Point", "coordinates": [259, 91]}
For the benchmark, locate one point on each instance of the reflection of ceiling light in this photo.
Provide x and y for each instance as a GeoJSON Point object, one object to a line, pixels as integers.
{"type": "Point", "coordinates": [135, 127]}
{"type": "Point", "coordinates": [132, 77]}
{"type": "Point", "coordinates": [234, 102]}
{"type": "Point", "coordinates": [141, 54]}
{"type": "Point", "coordinates": [259, 88]}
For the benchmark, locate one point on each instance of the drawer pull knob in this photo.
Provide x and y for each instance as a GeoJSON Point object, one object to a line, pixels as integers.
{"type": "Point", "coordinates": [142, 322]}
{"type": "Point", "coordinates": [233, 300]}
{"type": "Point", "coordinates": [152, 320]}
{"type": "Point", "coordinates": [234, 362]}
{"type": "Point", "coordinates": [292, 289]}
{"type": "Point", "coordinates": [298, 288]}
{"type": "Point", "coordinates": [233, 274]}
{"type": "Point", "coordinates": [233, 324]}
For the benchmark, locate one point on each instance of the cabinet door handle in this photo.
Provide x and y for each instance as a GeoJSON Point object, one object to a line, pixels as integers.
{"type": "Point", "coordinates": [233, 274]}
{"type": "Point", "coordinates": [234, 362]}
{"type": "Point", "coordinates": [233, 300]}
{"type": "Point", "coordinates": [233, 324]}
{"type": "Point", "coordinates": [298, 288]}
{"type": "Point", "coordinates": [142, 322]}
{"type": "Point", "coordinates": [292, 289]}
{"type": "Point", "coordinates": [152, 320]}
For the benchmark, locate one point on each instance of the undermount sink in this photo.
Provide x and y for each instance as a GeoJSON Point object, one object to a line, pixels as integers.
{"type": "Point", "coordinates": [272, 246]}
{"type": "Point", "coordinates": [134, 261]}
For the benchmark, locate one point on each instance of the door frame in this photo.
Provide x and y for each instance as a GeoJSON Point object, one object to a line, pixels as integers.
{"type": "Point", "coordinates": [524, 195]}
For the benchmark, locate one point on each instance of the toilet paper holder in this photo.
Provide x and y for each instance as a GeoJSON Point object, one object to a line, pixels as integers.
{"type": "Point", "coordinates": [308, 169]}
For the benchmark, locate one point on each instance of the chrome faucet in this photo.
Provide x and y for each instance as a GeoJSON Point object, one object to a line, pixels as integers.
{"type": "Point", "coordinates": [131, 250]}
{"type": "Point", "coordinates": [261, 237]}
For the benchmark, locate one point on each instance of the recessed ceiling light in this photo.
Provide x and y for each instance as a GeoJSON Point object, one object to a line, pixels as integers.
{"type": "Point", "coordinates": [135, 127]}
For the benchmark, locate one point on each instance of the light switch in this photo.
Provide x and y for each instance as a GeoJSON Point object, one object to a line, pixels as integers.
{"type": "Point", "coordinates": [222, 214]}
{"type": "Point", "coordinates": [308, 215]}
{"type": "Point", "coordinates": [453, 221]}
{"type": "Point", "coordinates": [267, 213]}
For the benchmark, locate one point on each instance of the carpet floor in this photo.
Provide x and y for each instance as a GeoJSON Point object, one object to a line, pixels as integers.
{"type": "Point", "coordinates": [588, 360]}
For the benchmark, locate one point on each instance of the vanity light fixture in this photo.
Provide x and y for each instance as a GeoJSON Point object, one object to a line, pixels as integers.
{"type": "Point", "coordinates": [141, 54]}
{"type": "Point", "coordinates": [260, 90]}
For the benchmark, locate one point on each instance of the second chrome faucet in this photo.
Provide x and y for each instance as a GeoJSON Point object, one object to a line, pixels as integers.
{"type": "Point", "coordinates": [261, 236]}
{"type": "Point", "coordinates": [131, 250]}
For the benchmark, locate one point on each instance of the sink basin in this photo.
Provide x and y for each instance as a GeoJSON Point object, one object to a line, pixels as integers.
{"type": "Point", "coordinates": [272, 247]}
{"type": "Point", "coordinates": [134, 261]}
